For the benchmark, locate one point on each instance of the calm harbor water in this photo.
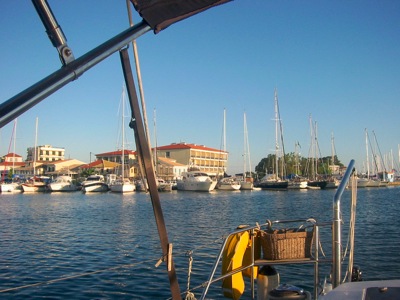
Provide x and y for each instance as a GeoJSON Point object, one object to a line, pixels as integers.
{"type": "Point", "coordinates": [105, 246]}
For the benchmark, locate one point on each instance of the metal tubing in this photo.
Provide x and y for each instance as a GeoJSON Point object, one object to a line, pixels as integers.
{"type": "Point", "coordinates": [53, 30]}
{"type": "Point", "coordinates": [336, 230]}
{"type": "Point", "coordinates": [15, 106]}
{"type": "Point", "coordinates": [145, 151]}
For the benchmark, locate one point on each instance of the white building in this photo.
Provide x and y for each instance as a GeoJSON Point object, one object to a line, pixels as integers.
{"type": "Point", "coordinates": [45, 153]}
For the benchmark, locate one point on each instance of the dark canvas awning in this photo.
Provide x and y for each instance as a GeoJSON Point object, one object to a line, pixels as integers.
{"type": "Point", "coordinates": [160, 14]}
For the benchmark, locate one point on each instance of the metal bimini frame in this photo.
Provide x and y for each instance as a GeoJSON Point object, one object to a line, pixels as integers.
{"type": "Point", "coordinates": [72, 68]}
{"type": "Point", "coordinates": [70, 71]}
{"type": "Point", "coordinates": [157, 15]}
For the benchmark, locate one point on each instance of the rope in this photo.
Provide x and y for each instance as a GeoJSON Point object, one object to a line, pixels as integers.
{"type": "Point", "coordinates": [350, 238]}
{"type": "Point", "coordinates": [70, 277]}
{"type": "Point", "coordinates": [189, 295]}
{"type": "Point", "coordinates": [352, 228]}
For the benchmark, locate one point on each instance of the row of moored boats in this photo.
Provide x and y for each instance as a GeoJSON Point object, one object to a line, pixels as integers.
{"type": "Point", "coordinates": [194, 180]}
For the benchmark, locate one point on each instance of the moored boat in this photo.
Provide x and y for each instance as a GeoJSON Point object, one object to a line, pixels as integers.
{"type": "Point", "coordinates": [362, 182]}
{"type": "Point", "coordinates": [372, 183]}
{"type": "Point", "coordinates": [140, 186]}
{"type": "Point", "coordinates": [228, 184]}
{"type": "Point", "coordinates": [273, 181]}
{"type": "Point", "coordinates": [163, 186]}
{"type": "Point", "coordinates": [247, 183]}
{"type": "Point", "coordinates": [35, 184]}
{"type": "Point", "coordinates": [246, 180]}
{"type": "Point", "coordinates": [270, 182]}
{"type": "Point", "coordinates": [11, 187]}
{"type": "Point", "coordinates": [297, 183]}
{"type": "Point", "coordinates": [94, 183]}
{"type": "Point", "coordinates": [63, 183]}
{"type": "Point", "coordinates": [316, 184]}
{"type": "Point", "coordinates": [122, 185]}
{"type": "Point", "coordinates": [383, 183]}
{"type": "Point", "coordinates": [195, 181]}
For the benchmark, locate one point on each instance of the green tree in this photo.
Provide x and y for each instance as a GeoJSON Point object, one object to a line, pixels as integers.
{"type": "Point", "coordinates": [10, 173]}
{"type": "Point", "coordinates": [294, 165]}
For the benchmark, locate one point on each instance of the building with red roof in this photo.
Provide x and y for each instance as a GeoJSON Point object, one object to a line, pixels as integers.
{"type": "Point", "coordinates": [209, 160]}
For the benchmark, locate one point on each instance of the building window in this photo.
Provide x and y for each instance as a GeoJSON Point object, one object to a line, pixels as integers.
{"type": "Point", "coordinates": [168, 154]}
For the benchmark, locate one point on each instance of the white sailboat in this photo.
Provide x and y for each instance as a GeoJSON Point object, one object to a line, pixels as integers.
{"type": "Point", "coordinates": [247, 182]}
{"type": "Point", "coordinates": [297, 182]}
{"type": "Point", "coordinates": [227, 183]}
{"type": "Point", "coordinates": [122, 184]}
{"type": "Point", "coordinates": [273, 181]}
{"type": "Point", "coordinates": [314, 179]}
{"type": "Point", "coordinates": [12, 187]}
{"type": "Point", "coordinates": [370, 182]}
{"type": "Point", "coordinates": [332, 182]}
{"type": "Point", "coordinates": [383, 180]}
{"type": "Point", "coordinates": [35, 184]}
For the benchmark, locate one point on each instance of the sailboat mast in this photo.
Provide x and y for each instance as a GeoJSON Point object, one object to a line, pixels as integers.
{"type": "Point", "coordinates": [155, 139]}
{"type": "Point", "coordinates": [383, 166]}
{"type": "Point", "coordinates": [276, 133]}
{"type": "Point", "coordinates": [366, 149]}
{"type": "Point", "coordinates": [311, 152]}
{"type": "Point", "coordinates": [224, 138]}
{"type": "Point", "coordinates": [224, 130]}
{"type": "Point", "coordinates": [15, 137]}
{"type": "Point", "coordinates": [34, 150]}
{"type": "Point", "coordinates": [316, 148]}
{"type": "Point", "coordinates": [123, 136]}
{"type": "Point", "coordinates": [333, 149]}
{"type": "Point", "coordinates": [296, 157]}
{"type": "Point", "coordinates": [9, 148]}
{"type": "Point", "coordinates": [244, 145]}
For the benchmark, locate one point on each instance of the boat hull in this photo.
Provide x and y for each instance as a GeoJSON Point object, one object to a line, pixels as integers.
{"type": "Point", "coordinates": [197, 186]}
{"type": "Point", "coordinates": [122, 188]}
{"type": "Point", "coordinates": [331, 185]}
{"type": "Point", "coordinates": [273, 185]}
{"type": "Point", "coordinates": [33, 188]}
{"type": "Point", "coordinates": [383, 183]}
{"type": "Point", "coordinates": [95, 187]}
{"type": "Point", "coordinates": [228, 187]}
{"type": "Point", "coordinates": [235, 187]}
{"type": "Point", "coordinates": [11, 188]}
{"type": "Point", "coordinates": [165, 187]}
{"type": "Point", "coordinates": [373, 183]}
{"type": "Point", "coordinates": [62, 187]}
{"type": "Point", "coordinates": [317, 184]}
{"type": "Point", "coordinates": [297, 185]}
{"type": "Point", "coordinates": [244, 185]}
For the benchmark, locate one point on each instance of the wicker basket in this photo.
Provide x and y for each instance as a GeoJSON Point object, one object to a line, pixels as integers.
{"type": "Point", "coordinates": [286, 243]}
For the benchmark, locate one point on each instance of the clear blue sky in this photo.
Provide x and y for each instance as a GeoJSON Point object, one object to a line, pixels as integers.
{"type": "Point", "coordinates": [336, 60]}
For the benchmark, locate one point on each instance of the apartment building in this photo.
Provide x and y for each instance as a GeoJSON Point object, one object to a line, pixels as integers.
{"type": "Point", "coordinates": [45, 153]}
{"type": "Point", "coordinates": [209, 160]}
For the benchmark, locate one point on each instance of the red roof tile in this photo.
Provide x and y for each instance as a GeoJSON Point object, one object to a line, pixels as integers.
{"type": "Point", "coordinates": [117, 153]}
{"type": "Point", "coordinates": [187, 146]}
{"type": "Point", "coordinates": [12, 155]}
